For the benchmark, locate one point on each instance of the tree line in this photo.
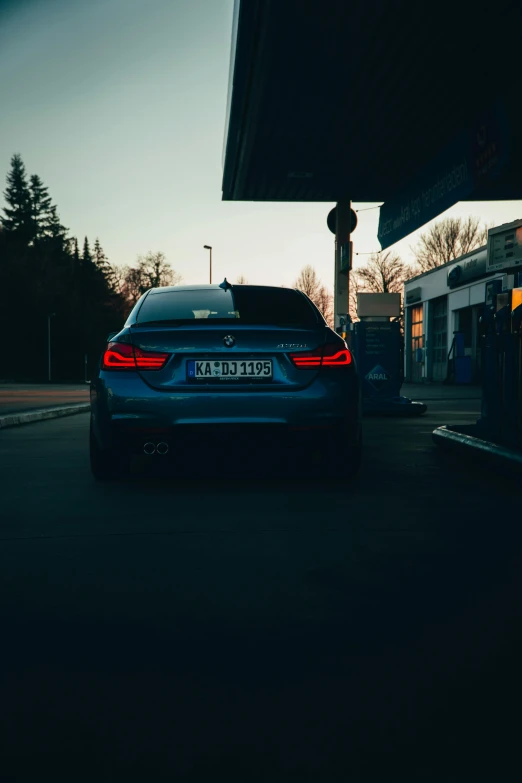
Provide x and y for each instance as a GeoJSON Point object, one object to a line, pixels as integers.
{"type": "Point", "coordinates": [55, 286]}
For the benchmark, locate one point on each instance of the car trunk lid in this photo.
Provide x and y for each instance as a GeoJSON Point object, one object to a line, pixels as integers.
{"type": "Point", "coordinates": [234, 345]}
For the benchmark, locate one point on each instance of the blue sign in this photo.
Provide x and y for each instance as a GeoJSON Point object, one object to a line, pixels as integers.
{"type": "Point", "coordinates": [346, 256]}
{"type": "Point", "coordinates": [474, 157]}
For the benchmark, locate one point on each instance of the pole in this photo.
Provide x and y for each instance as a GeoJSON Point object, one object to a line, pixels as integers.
{"type": "Point", "coordinates": [209, 248]}
{"type": "Point", "coordinates": [49, 348]}
{"type": "Point", "coordinates": [342, 279]}
{"type": "Point", "coordinates": [349, 241]}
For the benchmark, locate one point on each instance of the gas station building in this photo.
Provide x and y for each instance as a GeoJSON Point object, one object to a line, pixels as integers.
{"type": "Point", "coordinates": [446, 308]}
{"type": "Point", "coordinates": [438, 303]}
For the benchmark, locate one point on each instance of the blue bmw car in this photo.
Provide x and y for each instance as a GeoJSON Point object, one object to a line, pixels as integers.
{"type": "Point", "coordinates": [242, 366]}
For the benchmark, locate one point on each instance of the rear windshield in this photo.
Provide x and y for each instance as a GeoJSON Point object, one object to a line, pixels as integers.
{"type": "Point", "coordinates": [247, 304]}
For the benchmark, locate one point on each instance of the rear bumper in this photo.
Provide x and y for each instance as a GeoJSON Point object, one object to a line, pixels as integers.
{"type": "Point", "coordinates": [125, 409]}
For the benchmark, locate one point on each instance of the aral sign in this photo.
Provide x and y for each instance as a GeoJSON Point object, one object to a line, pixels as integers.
{"type": "Point", "coordinates": [473, 158]}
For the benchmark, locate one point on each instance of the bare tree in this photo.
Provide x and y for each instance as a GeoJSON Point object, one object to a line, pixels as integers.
{"type": "Point", "coordinates": [355, 288]}
{"type": "Point", "coordinates": [384, 273]}
{"type": "Point", "coordinates": [241, 280]}
{"type": "Point", "coordinates": [156, 271]}
{"type": "Point", "coordinates": [117, 275]}
{"type": "Point", "coordinates": [150, 271]}
{"type": "Point", "coordinates": [448, 239]}
{"type": "Point", "coordinates": [324, 303]}
{"type": "Point", "coordinates": [133, 284]}
{"type": "Point", "coordinates": [309, 283]}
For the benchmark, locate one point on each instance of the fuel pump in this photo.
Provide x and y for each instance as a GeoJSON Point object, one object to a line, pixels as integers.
{"type": "Point", "coordinates": [501, 331]}
{"type": "Point", "coordinates": [378, 348]}
{"type": "Point", "coordinates": [516, 330]}
{"type": "Point", "coordinates": [499, 429]}
{"type": "Point", "coordinates": [489, 412]}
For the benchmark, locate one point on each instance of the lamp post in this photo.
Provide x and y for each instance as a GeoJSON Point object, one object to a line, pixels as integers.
{"type": "Point", "coordinates": [50, 315]}
{"type": "Point", "coordinates": [208, 247]}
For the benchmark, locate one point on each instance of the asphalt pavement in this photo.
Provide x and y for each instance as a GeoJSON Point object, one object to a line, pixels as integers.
{"type": "Point", "coordinates": [229, 623]}
{"type": "Point", "coordinates": [425, 392]}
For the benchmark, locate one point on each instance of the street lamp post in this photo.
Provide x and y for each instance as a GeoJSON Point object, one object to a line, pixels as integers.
{"type": "Point", "coordinates": [208, 247]}
{"type": "Point", "coordinates": [50, 315]}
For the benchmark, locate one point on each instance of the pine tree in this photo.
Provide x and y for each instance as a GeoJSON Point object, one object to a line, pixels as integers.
{"type": "Point", "coordinates": [102, 263]}
{"type": "Point", "coordinates": [99, 307]}
{"type": "Point", "coordinates": [99, 256]}
{"type": "Point", "coordinates": [73, 253]}
{"type": "Point", "coordinates": [76, 253]}
{"type": "Point", "coordinates": [41, 207]}
{"type": "Point", "coordinates": [54, 229]}
{"type": "Point", "coordinates": [95, 288]}
{"type": "Point", "coordinates": [86, 255]}
{"type": "Point", "coordinates": [17, 219]}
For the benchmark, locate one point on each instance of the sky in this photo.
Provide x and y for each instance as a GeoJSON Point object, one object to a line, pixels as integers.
{"type": "Point", "coordinates": [119, 105]}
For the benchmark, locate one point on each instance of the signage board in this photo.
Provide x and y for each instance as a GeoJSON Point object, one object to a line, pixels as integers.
{"type": "Point", "coordinates": [475, 157]}
{"type": "Point", "coordinates": [469, 268]}
{"type": "Point", "coordinates": [378, 305]}
{"type": "Point", "coordinates": [413, 295]}
{"type": "Point", "coordinates": [504, 247]}
{"type": "Point", "coordinates": [346, 252]}
{"type": "Point", "coordinates": [331, 220]}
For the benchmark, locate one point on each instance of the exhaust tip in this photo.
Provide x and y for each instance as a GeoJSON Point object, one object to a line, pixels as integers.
{"type": "Point", "coordinates": [162, 448]}
{"type": "Point", "coordinates": [149, 448]}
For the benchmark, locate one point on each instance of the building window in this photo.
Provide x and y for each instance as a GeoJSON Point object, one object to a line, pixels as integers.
{"type": "Point", "coordinates": [417, 342]}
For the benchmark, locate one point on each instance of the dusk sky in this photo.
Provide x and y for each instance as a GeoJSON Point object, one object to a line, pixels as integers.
{"type": "Point", "coordinates": [119, 105]}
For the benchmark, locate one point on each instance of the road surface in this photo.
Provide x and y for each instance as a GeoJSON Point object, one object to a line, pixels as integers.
{"type": "Point", "coordinates": [215, 627]}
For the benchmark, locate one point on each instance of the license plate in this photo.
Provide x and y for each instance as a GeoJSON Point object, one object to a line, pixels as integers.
{"type": "Point", "coordinates": [260, 369]}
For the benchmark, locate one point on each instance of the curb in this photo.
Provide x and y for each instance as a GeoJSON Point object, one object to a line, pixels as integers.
{"type": "Point", "coordinates": [485, 450]}
{"type": "Point", "coordinates": [16, 419]}
{"type": "Point", "coordinates": [452, 399]}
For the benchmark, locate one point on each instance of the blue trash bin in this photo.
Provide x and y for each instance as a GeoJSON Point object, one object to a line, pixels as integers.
{"type": "Point", "coordinates": [463, 372]}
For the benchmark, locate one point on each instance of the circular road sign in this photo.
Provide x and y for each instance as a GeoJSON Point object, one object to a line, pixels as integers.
{"type": "Point", "coordinates": [332, 218]}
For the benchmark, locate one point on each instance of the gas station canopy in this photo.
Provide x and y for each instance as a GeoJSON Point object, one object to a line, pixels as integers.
{"type": "Point", "coordinates": [337, 99]}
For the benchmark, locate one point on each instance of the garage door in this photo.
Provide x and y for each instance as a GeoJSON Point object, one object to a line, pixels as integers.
{"type": "Point", "coordinates": [439, 338]}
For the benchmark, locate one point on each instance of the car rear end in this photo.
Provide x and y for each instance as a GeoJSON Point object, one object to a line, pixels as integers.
{"type": "Point", "coordinates": [204, 369]}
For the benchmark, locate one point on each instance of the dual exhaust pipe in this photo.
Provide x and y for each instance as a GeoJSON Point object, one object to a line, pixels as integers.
{"type": "Point", "coordinates": [155, 448]}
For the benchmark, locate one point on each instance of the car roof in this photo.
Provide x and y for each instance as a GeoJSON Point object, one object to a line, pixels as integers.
{"type": "Point", "coordinates": [213, 287]}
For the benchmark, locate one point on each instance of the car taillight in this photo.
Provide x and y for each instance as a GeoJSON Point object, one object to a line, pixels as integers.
{"type": "Point", "coordinates": [324, 356]}
{"type": "Point", "coordinates": [122, 356]}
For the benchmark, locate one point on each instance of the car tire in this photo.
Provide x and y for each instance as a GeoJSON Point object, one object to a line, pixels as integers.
{"type": "Point", "coordinates": [106, 465]}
